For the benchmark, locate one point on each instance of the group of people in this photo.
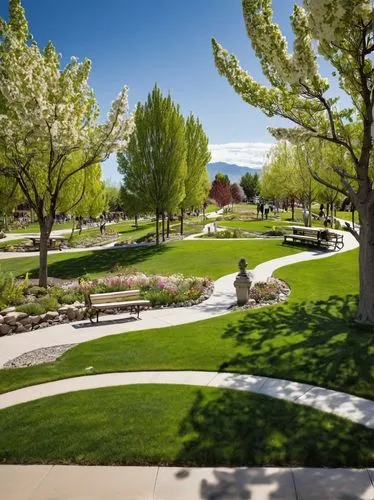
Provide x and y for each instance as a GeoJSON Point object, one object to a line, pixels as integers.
{"type": "Point", "coordinates": [264, 209]}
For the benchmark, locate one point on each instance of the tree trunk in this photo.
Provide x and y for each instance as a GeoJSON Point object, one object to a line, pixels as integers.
{"type": "Point", "coordinates": [163, 226]}
{"type": "Point", "coordinates": [136, 220]}
{"type": "Point", "coordinates": [182, 220]}
{"type": "Point", "coordinates": [168, 227]}
{"type": "Point", "coordinates": [6, 224]}
{"type": "Point", "coordinates": [365, 312]}
{"type": "Point", "coordinates": [157, 228]}
{"type": "Point", "coordinates": [45, 225]}
{"type": "Point", "coordinates": [292, 209]}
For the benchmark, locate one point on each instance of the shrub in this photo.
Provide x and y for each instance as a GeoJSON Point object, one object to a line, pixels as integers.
{"type": "Point", "coordinates": [71, 297]}
{"type": "Point", "coordinates": [38, 291]}
{"type": "Point", "coordinates": [11, 291]}
{"type": "Point", "coordinates": [33, 309]}
{"type": "Point", "coordinates": [49, 303]}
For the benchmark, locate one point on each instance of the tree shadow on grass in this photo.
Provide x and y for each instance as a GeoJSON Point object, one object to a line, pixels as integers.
{"type": "Point", "coordinates": [313, 342]}
{"type": "Point", "coordinates": [101, 261]}
{"type": "Point", "coordinates": [233, 428]}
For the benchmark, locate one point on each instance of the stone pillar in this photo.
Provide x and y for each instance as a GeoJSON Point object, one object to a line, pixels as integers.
{"type": "Point", "coordinates": [242, 283]}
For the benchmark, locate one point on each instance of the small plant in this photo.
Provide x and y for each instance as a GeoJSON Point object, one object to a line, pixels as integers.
{"type": "Point", "coordinates": [49, 303]}
{"type": "Point", "coordinates": [32, 309]}
{"type": "Point", "coordinates": [11, 290]}
{"type": "Point", "coordinates": [38, 291]}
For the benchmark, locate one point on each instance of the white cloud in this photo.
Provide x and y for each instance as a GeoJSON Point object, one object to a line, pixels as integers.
{"type": "Point", "coordinates": [244, 154]}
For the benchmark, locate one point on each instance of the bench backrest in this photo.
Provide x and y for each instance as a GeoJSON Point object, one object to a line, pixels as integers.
{"type": "Point", "coordinates": [102, 298]}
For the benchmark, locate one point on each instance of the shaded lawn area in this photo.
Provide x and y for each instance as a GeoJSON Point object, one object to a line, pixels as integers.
{"type": "Point", "coordinates": [179, 425]}
{"type": "Point", "coordinates": [310, 339]}
{"type": "Point", "coordinates": [200, 258]}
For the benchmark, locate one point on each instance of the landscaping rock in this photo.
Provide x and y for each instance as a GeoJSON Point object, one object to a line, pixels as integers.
{"type": "Point", "coordinates": [39, 356]}
{"type": "Point", "coordinates": [1, 320]}
{"type": "Point", "coordinates": [26, 321]}
{"type": "Point", "coordinates": [51, 315]}
{"type": "Point", "coordinates": [71, 313]}
{"type": "Point", "coordinates": [12, 317]}
{"type": "Point", "coordinates": [4, 312]}
{"type": "Point", "coordinates": [5, 329]}
{"type": "Point", "coordinates": [20, 328]}
{"type": "Point", "coordinates": [63, 309]}
{"type": "Point", "coordinates": [34, 320]}
{"type": "Point", "coordinates": [44, 324]}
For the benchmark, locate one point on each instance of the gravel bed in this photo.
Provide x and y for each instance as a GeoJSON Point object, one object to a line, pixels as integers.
{"type": "Point", "coordinates": [38, 356]}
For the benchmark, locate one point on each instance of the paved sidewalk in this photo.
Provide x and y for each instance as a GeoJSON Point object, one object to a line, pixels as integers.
{"type": "Point", "coordinates": [219, 303]}
{"type": "Point", "coordinates": [59, 482]}
{"type": "Point", "coordinates": [344, 405]}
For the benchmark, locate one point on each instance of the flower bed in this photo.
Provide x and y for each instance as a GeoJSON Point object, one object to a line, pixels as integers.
{"type": "Point", "coordinates": [28, 307]}
{"type": "Point", "coordinates": [174, 290]}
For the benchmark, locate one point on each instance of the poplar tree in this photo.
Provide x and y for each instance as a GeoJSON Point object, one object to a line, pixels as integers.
{"type": "Point", "coordinates": [154, 164]}
{"type": "Point", "coordinates": [341, 31]}
{"type": "Point", "coordinates": [196, 182]}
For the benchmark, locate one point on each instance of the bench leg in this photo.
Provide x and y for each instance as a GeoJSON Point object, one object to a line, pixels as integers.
{"type": "Point", "coordinates": [97, 316]}
{"type": "Point", "coordinates": [138, 311]}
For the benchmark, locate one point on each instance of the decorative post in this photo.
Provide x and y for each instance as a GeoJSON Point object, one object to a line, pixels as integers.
{"type": "Point", "coordinates": [242, 283]}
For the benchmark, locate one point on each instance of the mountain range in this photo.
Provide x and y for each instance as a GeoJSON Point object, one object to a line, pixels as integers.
{"type": "Point", "coordinates": [234, 172]}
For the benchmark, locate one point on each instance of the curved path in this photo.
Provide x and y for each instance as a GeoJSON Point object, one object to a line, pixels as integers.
{"type": "Point", "coordinates": [353, 408]}
{"type": "Point", "coordinates": [219, 303]}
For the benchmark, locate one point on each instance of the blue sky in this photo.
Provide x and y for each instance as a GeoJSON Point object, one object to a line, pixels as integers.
{"type": "Point", "coordinates": [140, 42]}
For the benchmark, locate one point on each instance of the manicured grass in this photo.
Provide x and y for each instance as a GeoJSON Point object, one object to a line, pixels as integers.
{"type": "Point", "coordinates": [179, 425]}
{"type": "Point", "coordinates": [212, 207]}
{"type": "Point", "coordinates": [200, 258]}
{"type": "Point", "coordinates": [34, 228]}
{"type": "Point", "coordinates": [348, 216]}
{"type": "Point", "coordinates": [255, 225]}
{"type": "Point", "coordinates": [310, 339]}
{"type": "Point", "coordinates": [5, 243]}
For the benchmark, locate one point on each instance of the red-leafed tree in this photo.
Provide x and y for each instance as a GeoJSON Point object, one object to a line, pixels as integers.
{"type": "Point", "coordinates": [220, 191]}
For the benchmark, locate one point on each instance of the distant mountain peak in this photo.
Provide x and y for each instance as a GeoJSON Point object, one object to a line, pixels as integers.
{"type": "Point", "coordinates": [235, 172]}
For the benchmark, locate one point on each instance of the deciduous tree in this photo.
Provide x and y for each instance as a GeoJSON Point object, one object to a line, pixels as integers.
{"type": "Point", "coordinates": [154, 165]}
{"type": "Point", "coordinates": [341, 31]}
{"type": "Point", "coordinates": [49, 130]}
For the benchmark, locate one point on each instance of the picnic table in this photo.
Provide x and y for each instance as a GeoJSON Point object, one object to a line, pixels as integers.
{"type": "Point", "coordinates": [54, 242]}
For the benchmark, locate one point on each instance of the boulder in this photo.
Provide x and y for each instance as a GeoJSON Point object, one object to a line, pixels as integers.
{"type": "Point", "coordinates": [44, 324]}
{"type": "Point", "coordinates": [63, 310]}
{"type": "Point", "coordinates": [34, 320]}
{"type": "Point", "coordinates": [5, 329]}
{"type": "Point", "coordinates": [20, 328]}
{"type": "Point", "coordinates": [71, 313]}
{"type": "Point", "coordinates": [12, 317]}
{"type": "Point", "coordinates": [26, 321]}
{"type": "Point", "coordinates": [1, 320]}
{"type": "Point", "coordinates": [51, 315]}
{"type": "Point", "coordinates": [8, 310]}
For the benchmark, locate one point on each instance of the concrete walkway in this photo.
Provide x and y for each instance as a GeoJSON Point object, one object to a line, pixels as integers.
{"type": "Point", "coordinates": [219, 303]}
{"type": "Point", "coordinates": [353, 408]}
{"type": "Point", "coordinates": [59, 482]}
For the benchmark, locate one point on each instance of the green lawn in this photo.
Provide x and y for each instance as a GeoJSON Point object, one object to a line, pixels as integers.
{"type": "Point", "coordinates": [310, 339]}
{"type": "Point", "coordinates": [34, 228]}
{"type": "Point", "coordinates": [348, 216]}
{"type": "Point", "coordinates": [200, 258]}
{"type": "Point", "coordinates": [179, 425]}
{"type": "Point", "coordinates": [254, 225]}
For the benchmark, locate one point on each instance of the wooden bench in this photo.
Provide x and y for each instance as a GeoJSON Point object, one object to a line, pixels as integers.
{"type": "Point", "coordinates": [129, 299]}
{"type": "Point", "coordinates": [316, 236]}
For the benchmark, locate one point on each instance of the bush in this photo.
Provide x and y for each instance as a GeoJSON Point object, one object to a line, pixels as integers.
{"type": "Point", "coordinates": [49, 303]}
{"type": "Point", "coordinates": [11, 291]}
{"type": "Point", "coordinates": [71, 297]}
{"type": "Point", "coordinates": [38, 291]}
{"type": "Point", "coordinates": [32, 309]}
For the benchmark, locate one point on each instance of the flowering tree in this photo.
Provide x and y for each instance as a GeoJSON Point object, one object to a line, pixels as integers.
{"type": "Point", "coordinates": [343, 30]}
{"type": "Point", "coordinates": [48, 122]}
